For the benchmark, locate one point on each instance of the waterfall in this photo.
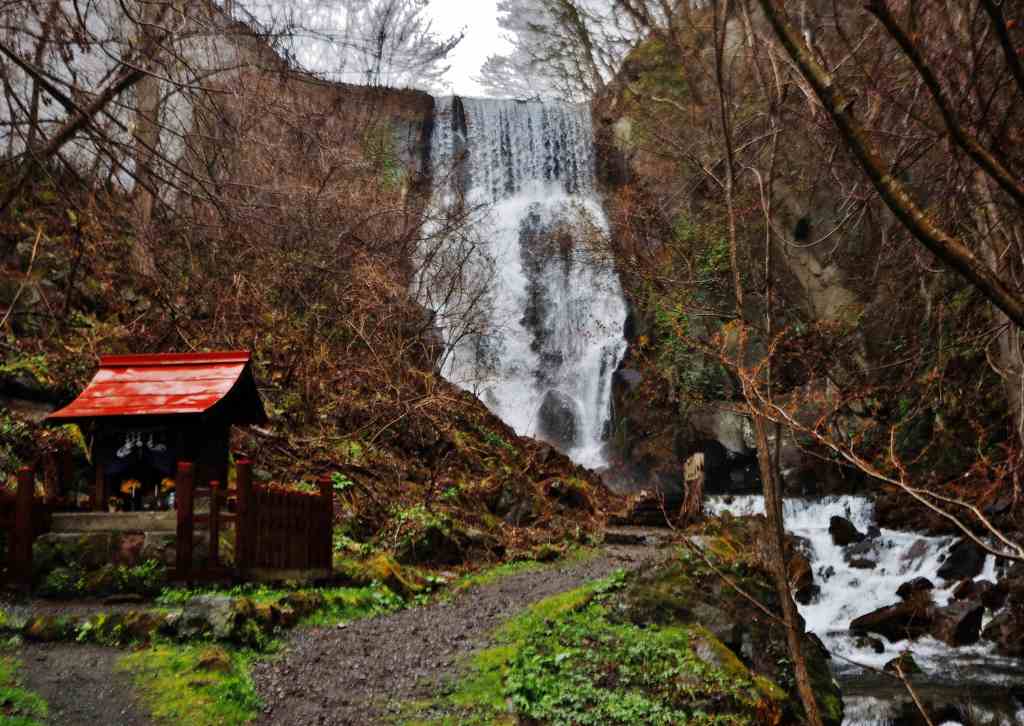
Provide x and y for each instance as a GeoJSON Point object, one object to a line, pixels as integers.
{"type": "Point", "coordinates": [848, 592]}
{"type": "Point", "coordinates": [546, 333]}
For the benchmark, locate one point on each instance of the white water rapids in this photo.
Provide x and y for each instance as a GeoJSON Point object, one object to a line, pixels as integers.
{"type": "Point", "coordinates": [552, 336]}
{"type": "Point", "coordinates": [847, 593]}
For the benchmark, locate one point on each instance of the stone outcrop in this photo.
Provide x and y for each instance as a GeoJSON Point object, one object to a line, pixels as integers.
{"type": "Point", "coordinates": [918, 584]}
{"type": "Point", "coordinates": [959, 623]}
{"type": "Point", "coordinates": [909, 619]}
{"type": "Point", "coordinates": [679, 594]}
{"type": "Point", "coordinates": [558, 420]}
{"type": "Point", "coordinates": [844, 532]}
{"type": "Point", "coordinates": [964, 561]}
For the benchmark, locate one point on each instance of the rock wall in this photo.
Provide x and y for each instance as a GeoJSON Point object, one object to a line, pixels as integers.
{"type": "Point", "coordinates": [672, 400]}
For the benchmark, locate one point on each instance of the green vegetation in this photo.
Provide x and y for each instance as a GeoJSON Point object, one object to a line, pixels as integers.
{"type": "Point", "coordinates": [201, 685]}
{"type": "Point", "coordinates": [537, 561]}
{"type": "Point", "coordinates": [319, 606]}
{"type": "Point", "coordinates": [18, 707]}
{"type": "Point", "coordinates": [146, 578]}
{"type": "Point", "coordinates": [570, 660]}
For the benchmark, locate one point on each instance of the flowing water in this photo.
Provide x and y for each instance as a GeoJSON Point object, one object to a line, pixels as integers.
{"type": "Point", "coordinates": [532, 318]}
{"type": "Point", "coordinates": [973, 674]}
{"type": "Point", "coordinates": [551, 333]}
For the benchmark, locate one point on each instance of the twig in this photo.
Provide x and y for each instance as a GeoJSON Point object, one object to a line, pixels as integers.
{"type": "Point", "coordinates": [28, 276]}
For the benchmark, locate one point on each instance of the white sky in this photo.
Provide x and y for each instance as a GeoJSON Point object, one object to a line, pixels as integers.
{"type": "Point", "coordinates": [483, 37]}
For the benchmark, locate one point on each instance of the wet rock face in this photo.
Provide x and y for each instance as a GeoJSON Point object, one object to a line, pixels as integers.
{"type": "Point", "coordinates": [844, 532]}
{"type": "Point", "coordinates": [974, 590]}
{"type": "Point", "coordinates": [964, 562]}
{"type": "Point", "coordinates": [958, 623]}
{"type": "Point", "coordinates": [918, 584]}
{"type": "Point", "coordinates": [557, 420]}
{"type": "Point", "coordinates": [1007, 631]}
{"type": "Point", "coordinates": [906, 620]}
{"type": "Point", "coordinates": [801, 577]}
{"type": "Point", "coordinates": [674, 594]}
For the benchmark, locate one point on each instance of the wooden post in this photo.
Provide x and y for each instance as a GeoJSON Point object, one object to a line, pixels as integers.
{"type": "Point", "coordinates": [184, 504]}
{"type": "Point", "coordinates": [243, 515]}
{"type": "Point", "coordinates": [214, 525]}
{"type": "Point", "coordinates": [327, 542]}
{"type": "Point", "coordinates": [21, 542]}
{"type": "Point", "coordinates": [99, 495]}
{"type": "Point", "coordinates": [67, 471]}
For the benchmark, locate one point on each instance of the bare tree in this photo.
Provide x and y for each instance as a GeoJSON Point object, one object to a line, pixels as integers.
{"type": "Point", "coordinates": [385, 43]}
{"type": "Point", "coordinates": [569, 48]}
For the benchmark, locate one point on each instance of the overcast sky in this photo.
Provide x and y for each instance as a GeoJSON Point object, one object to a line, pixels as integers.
{"type": "Point", "coordinates": [483, 37]}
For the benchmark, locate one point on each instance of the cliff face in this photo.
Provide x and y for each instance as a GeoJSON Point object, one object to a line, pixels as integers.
{"type": "Point", "coordinates": [835, 283]}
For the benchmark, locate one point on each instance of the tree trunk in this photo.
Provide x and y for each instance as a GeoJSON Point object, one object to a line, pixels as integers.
{"type": "Point", "coordinates": [780, 570]}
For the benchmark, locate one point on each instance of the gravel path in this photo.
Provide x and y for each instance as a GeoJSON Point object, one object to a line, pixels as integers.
{"type": "Point", "coordinates": [364, 672]}
{"type": "Point", "coordinates": [81, 686]}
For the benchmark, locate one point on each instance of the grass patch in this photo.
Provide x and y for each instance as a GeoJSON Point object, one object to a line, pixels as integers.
{"type": "Point", "coordinates": [339, 604]}
{"type": "Point", "coordinates": [345, 604]}
{"type": "Point", "coordinates": [18, 707]}
{"type": "Point", "coordinates": [490, 575]}
{"type": "Point", "coordinates": [193, 684]}
{"type": "Point", "coordinates": [178, 596]}
{"type": "Point", "coordinates": [568, 660]}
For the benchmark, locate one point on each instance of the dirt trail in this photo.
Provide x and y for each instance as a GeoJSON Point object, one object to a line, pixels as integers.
{"type": "Point", "coordinates": [362, 673]}
{"type": "Point", "coordinates": [81, 686]}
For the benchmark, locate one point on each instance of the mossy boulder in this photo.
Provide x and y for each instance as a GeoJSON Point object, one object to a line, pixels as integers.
{"type": "Point", "coordinates": [87, 551]}
{"type": "Point", "coordinates": [60, 582]}
{"type": "Point", "coordinates": [142, 625]}
{"type": "Point", "coordinates": [685, 592]}
{"type": "Point", "coordinates": [303, 602]}
{"type": "Point", "coordinates": [49, 629]}
{"type": "Point", "coordinates": [102, 580]}
{"type": "Point", "coordinates": [384, 569]}
{"type": "Point", "coordinates": [214, 659]}
{"type": "Point", "coordinates": [436, 542]}
{"type": "Point", "coordinates": [208, 616]}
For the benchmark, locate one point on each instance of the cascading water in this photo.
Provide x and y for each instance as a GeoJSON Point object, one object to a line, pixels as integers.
{"type": "Point", "coordinates": [553, 332]}
{"type": "Point", "coordinates": [848, 592]}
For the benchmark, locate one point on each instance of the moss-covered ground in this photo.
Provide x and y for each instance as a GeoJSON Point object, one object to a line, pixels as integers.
{"type": "Point", "coordinates": [570, 659]}
{"type": "Point", "coordinates": [18, 706]}
{"type": "Point", "coordinates": [202, 685]}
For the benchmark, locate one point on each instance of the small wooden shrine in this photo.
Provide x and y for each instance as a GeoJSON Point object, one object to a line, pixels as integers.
{"type": "Point", "coordinates": [142, 414]}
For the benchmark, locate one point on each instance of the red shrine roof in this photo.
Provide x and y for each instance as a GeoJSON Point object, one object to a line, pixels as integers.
{"type": "Point", "coordinates": [165, 384]}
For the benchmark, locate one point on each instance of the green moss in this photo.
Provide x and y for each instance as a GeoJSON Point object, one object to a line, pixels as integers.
{"type": "Point", "coordinates": [18, 706]}
{"type": "Point", "coordinates": [382, 568]}
{"type": "Point", "coordinates": [179, 684]}
{"type": "Point", "coordinates": [492, 574]}
{"type": "Point", "coordinates": [567, 659]}
{"type": "Point", "coordinates": [270, 609]}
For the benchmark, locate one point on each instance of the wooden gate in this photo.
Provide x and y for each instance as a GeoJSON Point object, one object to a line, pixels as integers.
{"type": "Point", "coordinates": [22, 519]}
{"type": "Point", "coordinates": [279, 534]}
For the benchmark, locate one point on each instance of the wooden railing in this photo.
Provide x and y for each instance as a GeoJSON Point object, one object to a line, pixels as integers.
{"type": "Point", "coordinates": [22, 519]}
{"type": "Point", "coordinates": [274, 529]}
{"type": "Point", "coordinates": [286, 529]}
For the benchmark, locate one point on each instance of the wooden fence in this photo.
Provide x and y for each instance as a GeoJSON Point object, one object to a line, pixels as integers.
{"type": "Point", "coordinates": [22, 519]}
{"type": "Point", "coordinates": [275, 530]}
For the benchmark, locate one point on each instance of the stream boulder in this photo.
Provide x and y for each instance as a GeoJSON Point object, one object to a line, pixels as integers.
{"type": "Point", "coordinates": [918, 584]}
{"type": "Point", "coordinates": [844, 532]}
{"type": "Point", "coordinates": [558, 420]}
{"type": "Point", "coordinates": [964, 561]}
{"type": "Point", "coordinates": [959, 623]}
{"type": "Point", "coordinates": [973, 590]}
{"type": "Point", "coordinates": [801, 579]}
{"type": "Point", "coordinates": [909, 619]}
{"type": "Point", "coordinates": [1007, 632]}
